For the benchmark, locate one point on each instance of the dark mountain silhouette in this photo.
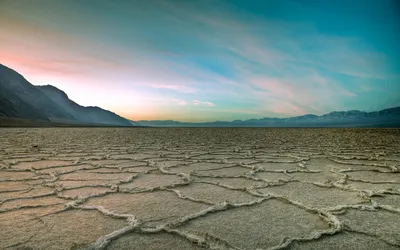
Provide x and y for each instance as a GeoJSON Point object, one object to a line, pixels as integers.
{"type": "Point", "coordinates": [21, 99]}
{"type": "Point", "coordinates": [384, 118]}
{"type": "Point", "coordinates": [11, 105]}
{"type": "Point", "coordinates": [24, 98]}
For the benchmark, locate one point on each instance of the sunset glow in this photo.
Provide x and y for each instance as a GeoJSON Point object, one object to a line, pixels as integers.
{"type": "Point", "coordinates": [208, 60]}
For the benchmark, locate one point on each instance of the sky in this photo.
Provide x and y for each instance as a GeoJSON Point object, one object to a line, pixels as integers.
{"type": "Point", "coordinates": [207, 60]}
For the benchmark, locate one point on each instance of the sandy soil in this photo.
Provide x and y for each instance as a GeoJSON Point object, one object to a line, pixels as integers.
{"type": "Point", "coordinates": [195, 188]}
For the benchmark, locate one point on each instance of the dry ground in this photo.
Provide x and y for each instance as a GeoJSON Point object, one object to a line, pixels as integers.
{"type": "Point", "coordinates": [194, 188]}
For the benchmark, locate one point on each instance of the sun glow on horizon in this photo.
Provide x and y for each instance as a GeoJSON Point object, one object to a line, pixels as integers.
{"type": "Point", "coordinates": [199, 62]}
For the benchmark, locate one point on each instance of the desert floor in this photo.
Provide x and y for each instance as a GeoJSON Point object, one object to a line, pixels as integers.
{"type": "Point", "coordinates": [195, 188]}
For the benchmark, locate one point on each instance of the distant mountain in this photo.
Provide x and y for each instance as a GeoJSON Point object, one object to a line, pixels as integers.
{"type": "Point", "coordinates": [21, 99]}
{"type": "Point", "coordinates": [133, 123]}
{"type": "Point", "coordinates": [384, 118]}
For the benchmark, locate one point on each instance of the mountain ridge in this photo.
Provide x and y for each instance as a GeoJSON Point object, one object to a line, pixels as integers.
{"type": "Point", "coordinates": [88, 114]}
{"type": "Point", "coordinates": [351, 118]}
{"type": "Point", "coordinates": [20, 99]}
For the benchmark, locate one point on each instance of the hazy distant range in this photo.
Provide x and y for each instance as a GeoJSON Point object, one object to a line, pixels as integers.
{"type": "Point", "coordinates": [23, 104]}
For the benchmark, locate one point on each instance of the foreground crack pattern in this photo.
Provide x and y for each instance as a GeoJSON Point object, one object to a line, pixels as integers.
{"type": "Point", "coordinates": [47, 173]}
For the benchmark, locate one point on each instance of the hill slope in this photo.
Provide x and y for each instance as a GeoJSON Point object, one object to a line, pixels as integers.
{"type": "Point", "coordinates": [21, 99]}
{"type": "Point", "coordinates": [83, 114]}
{"type": "Point", "coordinates": [24, 100]}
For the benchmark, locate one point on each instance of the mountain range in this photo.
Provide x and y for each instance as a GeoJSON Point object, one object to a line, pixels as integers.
{"type": "Point", "coordinates": [354, 118]}
{"type": "Point", "coordinates": [21, 101]}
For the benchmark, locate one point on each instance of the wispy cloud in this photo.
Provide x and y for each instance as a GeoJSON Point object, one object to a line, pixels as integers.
{"type": "Point", "coordinates": [192, 103]}
{"type": "Point", "coordinates": [287, 108]}
{"type": "Point", "coordinates": [248, 63]}
{"type": "Point", "coordinates": [182, 89]}
{"type": "Point", "coordinates": [179, 102]}
{"type": "Point", "coordinates": [197, 102]}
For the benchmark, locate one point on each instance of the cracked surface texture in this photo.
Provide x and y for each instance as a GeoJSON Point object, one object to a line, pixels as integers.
{"type": "Point", "coordinates": [199, 188]}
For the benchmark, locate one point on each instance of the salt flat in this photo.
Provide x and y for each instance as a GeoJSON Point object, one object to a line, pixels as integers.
{"type": "Point", "coordinates": [199, 188]}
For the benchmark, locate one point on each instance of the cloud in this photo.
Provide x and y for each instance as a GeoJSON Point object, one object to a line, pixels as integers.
{"type": "Point", "coordinates": [180, 102]}
{"type": "Point", "coordinates": [197, 102]}
{"type": "Point", "coordinates": [243, 62]}
{"type": "Point", "coordinates": [287, 108]}
{"type": "Point", "coordinates": [182, 89]}
{"type": "Point", "coordinates": [275, 87]}
{"type": "Point", "coordinates": [364, 87]}
{"type": "Point", "coordinates": [194, 102]}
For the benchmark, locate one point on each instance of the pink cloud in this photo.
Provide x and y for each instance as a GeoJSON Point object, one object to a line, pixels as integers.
{"type": "Point", "coordinates": [236, 42]}
{"type": "Point", "coordinates": [287, 108]}
{"type": "Point", "coordinates": [275, 87]}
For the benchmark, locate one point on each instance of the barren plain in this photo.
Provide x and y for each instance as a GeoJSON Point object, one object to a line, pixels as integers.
{"type": "Point", "coordinates": [199, 188]}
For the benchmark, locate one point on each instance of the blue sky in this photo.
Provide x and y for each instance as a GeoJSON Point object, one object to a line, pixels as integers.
{"type": "Point", "coordinates": [210, 59]}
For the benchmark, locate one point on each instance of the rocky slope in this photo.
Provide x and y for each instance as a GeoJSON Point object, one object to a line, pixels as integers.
{"type": "Point", "coordinates": [20, 99]}
{"type": "Point", "coordinates": [84, 114]}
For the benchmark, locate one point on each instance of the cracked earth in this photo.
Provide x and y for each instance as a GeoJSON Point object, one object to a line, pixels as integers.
{"type": "Point", "coordinates": [199, 188]}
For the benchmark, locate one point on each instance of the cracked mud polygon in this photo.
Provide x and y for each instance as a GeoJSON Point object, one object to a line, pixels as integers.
{"type": "Point", "coordinates": [199, 188]}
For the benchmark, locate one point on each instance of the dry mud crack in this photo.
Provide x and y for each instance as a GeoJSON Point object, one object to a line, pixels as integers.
{"type": "Point", "coordinates": [199, 188]}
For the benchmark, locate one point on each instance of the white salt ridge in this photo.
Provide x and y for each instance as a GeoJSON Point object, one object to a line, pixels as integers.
{"type": "Point", "coordinates": [243, 169]}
